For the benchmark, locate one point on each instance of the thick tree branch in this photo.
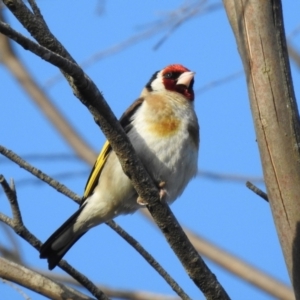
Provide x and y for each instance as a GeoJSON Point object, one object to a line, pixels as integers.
{"type": "Point", "coordinates": [110, 292]}
{"type": "Point", "coordinates": [259, 31]}
{"type": "Point", "coordinates": [87, 92]}
{"type": "Point", "coordinates": [37, 282]}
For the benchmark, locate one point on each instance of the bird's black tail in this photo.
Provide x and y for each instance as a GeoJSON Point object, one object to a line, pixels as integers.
{"type": "Point", "coordinates": [61, 241]}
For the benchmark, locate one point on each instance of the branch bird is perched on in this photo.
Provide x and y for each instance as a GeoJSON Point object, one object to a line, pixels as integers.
{"type": "Point", "coordinates": [163, 129]}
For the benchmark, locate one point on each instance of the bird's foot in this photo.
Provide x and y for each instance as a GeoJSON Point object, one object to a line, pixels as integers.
{"type": "Point", "coordinates": [162, 194]}
{"type": "Point", "coordinates": [141, 201]}
{"type": "Point", "coordinates": [162, 191]}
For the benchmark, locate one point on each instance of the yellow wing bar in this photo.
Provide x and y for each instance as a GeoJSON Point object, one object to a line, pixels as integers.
{"type": "Point", "coordinates": [96, 171]}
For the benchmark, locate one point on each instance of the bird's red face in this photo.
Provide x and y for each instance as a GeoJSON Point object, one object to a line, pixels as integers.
{"type": "Point", "coordinates": [176, 78]}
{"type": "Point", "coordinates": [179, 79]}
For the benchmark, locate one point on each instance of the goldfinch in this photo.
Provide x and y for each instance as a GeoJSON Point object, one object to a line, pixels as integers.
{"type": "Point", "coordinates": [163, 129]}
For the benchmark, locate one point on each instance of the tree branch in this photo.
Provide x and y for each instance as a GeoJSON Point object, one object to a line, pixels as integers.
{"type": "Point", "coordinates": [37, 282]}
{"type": "Point", "coordinates": [257, 191]}
{"type": "Point", "coordinates": [111, 292]}
{"type": "Point", "coordinates": [149, 258]}
{"type": "Point", "coordinates": [39, 174]}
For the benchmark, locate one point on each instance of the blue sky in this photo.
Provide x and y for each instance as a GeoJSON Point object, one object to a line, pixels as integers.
{"type": "Point", "coordinates": [224, 212]}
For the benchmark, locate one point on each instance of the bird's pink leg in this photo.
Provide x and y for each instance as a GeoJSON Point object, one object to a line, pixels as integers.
{"type": "Point", "coordinates": [162, 194]}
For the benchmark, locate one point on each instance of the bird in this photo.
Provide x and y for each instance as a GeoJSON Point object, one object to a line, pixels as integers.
{"type": "Point", "coordinates": [163, 128]}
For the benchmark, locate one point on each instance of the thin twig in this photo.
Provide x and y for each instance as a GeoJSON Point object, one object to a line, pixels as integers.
{"type": "Point", "coordinates": [12, 198]}
{"type": "Point", "coordinates": [257, 190]}
{"type": "Point", "coordinates": [15, 287]}
{"type": "Point", "coordinates": [39, 174]}
{"type": "Point", "coordinates": [186, 14]}
{"type": "Point", "coordinates": [13, 251]}
{"type": "Point", "coordinates": [84, 281]}
{"type": "Point", "coordinates": [217, 82]}
{"type": "Point", "coordinates": [149, 258]}
{"type": "Point", "coordinates": [45, 157]}
{"type": "Point", "coordinates": [59, 176]}
{"type": "Point", "coordinates": [229, 177]}
{"type": "Point", "coordinates": [18, 226]}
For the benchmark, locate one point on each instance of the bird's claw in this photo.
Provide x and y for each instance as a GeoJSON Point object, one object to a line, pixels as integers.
{"type": "Point", "coordinates": [162, 194]}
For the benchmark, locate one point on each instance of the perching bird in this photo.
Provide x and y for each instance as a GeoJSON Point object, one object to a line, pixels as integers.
{"type": "Point", "coordinates": [163, 129]}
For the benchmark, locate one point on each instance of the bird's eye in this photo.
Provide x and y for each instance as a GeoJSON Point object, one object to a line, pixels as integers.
{"type": "Point", "coordinates": [169, 75]}
{"type": "Point", "coordinates": [172, 75]}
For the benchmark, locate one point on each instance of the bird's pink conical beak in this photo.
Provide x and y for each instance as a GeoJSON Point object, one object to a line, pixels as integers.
{"type": "Point", "coordinates": [185, 78]}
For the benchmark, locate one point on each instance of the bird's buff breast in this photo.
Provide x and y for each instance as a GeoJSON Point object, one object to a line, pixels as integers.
{"type": "Point", "coordinates": [158, 117]}
{"type": "Point", "coordinates": [163, 142]}
{"type": "Point", "coordinates": [164, 128]}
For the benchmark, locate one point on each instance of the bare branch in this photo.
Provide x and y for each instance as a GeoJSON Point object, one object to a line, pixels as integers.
{"type": "Point", "coordinates": [62, 175]}
{"type": "Point", "coordinates": [110, 292]}
{"type": "Point", "coordinates": [149, 258]}
{"type": "Point", "coordinates": [220, 81]}
{"type": "Point", "coordinates": [12, 198]}
{"type": "Point", "coordinates": [15, 287]}
{"type": "Point", "coordinates": [37, 282]}
{"type": "Point", "coordinates": [39, 174]}
{"type": "Point", "coordinates": [46, 157]}
{"type": "Point", "coordinates": [257, 191]}
{"type": "Point", "coordinates": [184, 14]}
{"type": "Point", "coordinates": [229, 177]}
{"type": "Point", "coordinates": [12, 252]}
{"type": "Point", "coordinates": [83, 280]}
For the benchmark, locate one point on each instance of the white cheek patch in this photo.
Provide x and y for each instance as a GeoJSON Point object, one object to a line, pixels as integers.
{"type": "Point", "coordinates": [157, 83]}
